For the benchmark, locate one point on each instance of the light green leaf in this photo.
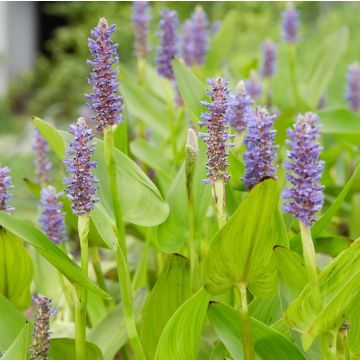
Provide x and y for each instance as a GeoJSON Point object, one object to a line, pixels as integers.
{"type": "Point", "coordinates": [181, 336]}
{"type": "Point", "coordinates": [266, 310]}
{"type": "Point", "coordinates": [19, 348]}
{"type": "Point", "coordinates": [173, 233]}
{"type": "Point", "coordinates": [11, 323]}
{"type": "Point", "coordinates": [110, 333]}
{"type": "Point", "coordinates": [141, 201]}
{"type": "Point", "coordinates": [64, 348]}
{"type": "Point", "coordinates": [339, 286]}
{"type": "Point", "coordinates": [146, 107]}
{"type": "Point", "coordinates": [269, 344]}
{"type": "Point", "coordinates": [191, 89]}
{"type": "Point", "coordinates": [246, 241]}
{"type": "Point", "coordinates": [339, 121]}
{"type": "Point", "coordinates": [321, 71]}
{"type": "Point", "coordinates": [221, 44]}
{"type": "Point", "coordinates": [52, 136]}
{"type": "Point", "coordinates": [16, 270]}
{"type": "Point", "coordinates": [49, 251]}
{"type": "Point", "coordinates": [170, 291]}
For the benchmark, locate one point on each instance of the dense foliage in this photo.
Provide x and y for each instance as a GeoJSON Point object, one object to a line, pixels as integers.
{"type": "Point", "coordinates": [204, 205]}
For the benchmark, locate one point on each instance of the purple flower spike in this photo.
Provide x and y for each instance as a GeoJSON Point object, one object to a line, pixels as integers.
{"type": "Point", "coordinates": [141, 20]}
{"type": "Point", "coordinates": [187, 43]}
{"type": "Point", "coordinates": [105, 101]}
{"type": "Point", "coordinates": [240, 110]}
{"type": "Point", "coordinates": [260, 149]}
{"type": "Point", "coordinates": [200, 37]}
{"type": "Point", "coordinates": [268, 59]}
{"type": "Point", "coordinates": [52, 219]}
{"type": "Point", "coordinates": [41, 162]}
{"type": "Point", "coordinates": [304, 170]}
{"type": "Point", "coordinates": [290, 25]}
{"type": "Point", "coordinates": [5, 186]}
{"type": "Point", "coordinates": [167, 49]}
{"type": "Point", "coordinates": [217, 135]}
{"type": "Point", "coordinates": [215, 27]}
{"type": "Point", "coordinates": [39, 348]}
{"type": "Point", "coordinates": [352, 94]}
{"type": "Point", "coordinates": [81, 183]}
{"type": "Point", "coordinates": [253, 86]}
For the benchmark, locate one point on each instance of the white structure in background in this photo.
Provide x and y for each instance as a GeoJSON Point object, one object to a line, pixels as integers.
{"type": "Point", "coordinates": [17, 40]}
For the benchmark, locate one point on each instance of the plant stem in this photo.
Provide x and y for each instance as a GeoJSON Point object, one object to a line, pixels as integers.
{"type": "Point", "coordinates": [141, 67]}
{"type": "Point", "coordinates": [293, 72]}
{"type": "Point", "coordinates": [218, 194]}
{"type": "Point", "coordinates": [121, 253]}
{"type": "Point", "coordinates": [100, 279]}
{"type": "Point", "coordinates": [80, 306]}
{"type": "Point", "coordinates": [310, 264]}
{"type": "Point", "coordinates": [249, 351]}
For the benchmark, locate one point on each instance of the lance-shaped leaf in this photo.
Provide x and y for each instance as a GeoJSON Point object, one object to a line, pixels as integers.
{"type": "Point", "coordinates": [181, 336]}
{"type": "Point", "coordinates": [19, 348]}
{"type": "Point", "coordinates": [49, 251]}
{"type": "Point", "coordinates": [170, 291]}
{"type": "Point", "coordinates": [241, 251]}
{"type": "Point", "coordinates": [64, 348]}
{"type": "Point", "coordinates": [269, 344]}
{"type": "Point", "coordinates": [339, 286]}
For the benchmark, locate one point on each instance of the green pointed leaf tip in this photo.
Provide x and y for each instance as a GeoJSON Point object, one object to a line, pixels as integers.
{"type": "Point", "coordinates": [269, 344]}
{"type": "Point", "coordinates": [246, 241]}
{"type": "Point", "coordinates": [339, 288]}
{"type": "Point", "coordinates": [172, 288]}
{"type": "Point", "coordinates": [49, 251]}
{"type": "Point", "coordinates": [181, 336]}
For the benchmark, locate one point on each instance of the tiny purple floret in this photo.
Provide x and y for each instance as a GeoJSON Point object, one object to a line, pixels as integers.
{"type": "Point", "coordinates": [352, 94]}
{"type": "Point", "coordinates": [5, 186]}
{"type": "Point", "coordinates": [52, 219]}
{"type": "Point", "coordinates": [105, 101]}
{"type": "Point", "coordinates": [217, 125]}
{"type": "Point", "coordinates": [81, 183]}
{"type": "Point", "coordinates": [304, 170]}
{"type": "Point", "coordinates": [260, 149]}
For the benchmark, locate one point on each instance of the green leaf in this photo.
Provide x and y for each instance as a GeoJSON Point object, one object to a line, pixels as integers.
{"type": "Point", "coordinates": [173, 233]}
{"type": "Point", "coordinates": [11, 322]}
{"type": "Point", "coordinates": [339, 286]}
{"type": "Point", "coordinates": [34, 188]}
{"type": "Point", "coordinates": [181, 336]}
{"type": "Point", "coordinates": [339, 121]}
{"type": "Point", "coordinates": [16, 270]}
{"type": "Point", "coordinates": [246, 241]}
{"type": "Point", "coordinates": [266, 310]}
{"type": "Point", "coordinates": [146, 107]}
{"type": "Point", "coordinates": [333, 209]}
{"type": "Point", "coordinates": [49, 251]}
{"type": "Point", "coordinates": [141, 200]}
{"type": "Point", "coordinates": [191, 89]}
{"type": "Point", "coordinates": [321, 71]}
{"type": "Point", "coordinates": [269, 344]}
{"type": "Point", "coordinates": [19, 348]}
{"type": "Point", "coordinates": [110, 333]}
{"type": "Point", "coordinates": [64, 348]}
{"type": "Point", "coordinates": [52, 136]}
{"type": "Point", "coordinates": [221, 44]}
{"type": "Point", "coordinates": [170, 291]}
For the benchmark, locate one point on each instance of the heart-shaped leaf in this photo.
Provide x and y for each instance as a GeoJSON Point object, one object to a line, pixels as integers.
{"type": "Point", "coordinates": [246, 241]}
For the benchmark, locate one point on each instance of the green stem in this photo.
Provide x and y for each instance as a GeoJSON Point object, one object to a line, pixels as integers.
{"type": "Point", "coordinates": [121, 253]}
{"type": "Point", "coordinates": [100, 279]}
{"type": "Point", "coordinates": [192, 241]}
{"type": "Point", "coordinates": [218, 194]}
{"type": "Point", "coordinates": [80, 306]}
{"type": "Point", "coordinates": [248, 347]}
{"type": "Point", "coordinates": [310, 264]}
{"type": "Point", "coordinates": [141, 67]}
{"type": "Point", "coordinates": [293, 72]}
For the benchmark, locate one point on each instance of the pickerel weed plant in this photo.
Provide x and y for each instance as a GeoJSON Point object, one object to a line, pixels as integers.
{"type": "Point", "coordinates": [214, 196]}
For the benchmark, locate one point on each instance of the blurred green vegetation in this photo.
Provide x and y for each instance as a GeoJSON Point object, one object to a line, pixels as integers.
{"type": "Point", "coordinates": [56, 87]}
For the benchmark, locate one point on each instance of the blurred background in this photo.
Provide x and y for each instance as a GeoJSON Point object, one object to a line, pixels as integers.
{"type": "Point", "coordinates": [43, 52]}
